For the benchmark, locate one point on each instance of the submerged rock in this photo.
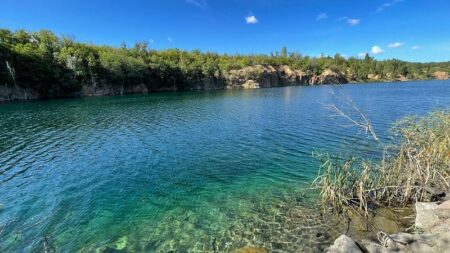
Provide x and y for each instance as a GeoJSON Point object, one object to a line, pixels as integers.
{"type": "Point", "coordinates": [250, 250]}
{"type": "Point", "coordinates": [121, 243]}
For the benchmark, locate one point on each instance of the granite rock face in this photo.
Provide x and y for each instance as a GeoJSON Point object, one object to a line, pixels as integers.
{"type": "Point", "coordinates": [9, 94]}
{"type": "Point", "coordinates": [266, 76]}
{"type": "Point", "coordinates": [441, 75]}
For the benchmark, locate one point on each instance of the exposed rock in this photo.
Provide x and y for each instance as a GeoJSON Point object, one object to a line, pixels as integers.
{"type": "Point", "coordinates": [250, 84]}
{"type": "Point", "coordinates": [344, 244]}
{"type": "Point", "coordinates": [441, 75]}
{"type": "Point", "coordinates": [401, 78]}
{"type": "Point", "coordinates": [250, 77]}
{"type": "Point", "coordinates": [373, 77]}
{"type": "Point", "coordinates": [265, 76]}
{"type": "Point", "coordinates": [430, 219]}
{"type": "Point", "coordinates": [260, 76]}
{"type": "Point", "coordinates": [210, 84]}
{"type": "Point", "coordinates": [329, 77]}
{"type": "Point", "coordinates": [250, 250]}
{"type": "Point", "coordinates": [289, 77]}
{"type": "Point", "coordinates": [415, 243]}
{"type": "Point", "coordinates": [9, 94]}
{"type": "Point", "coordinates": [445, 205]}
{"type": "Point", "coordinates": [373, 247]}
{"type": "Point", "coordinates": [406, 243]}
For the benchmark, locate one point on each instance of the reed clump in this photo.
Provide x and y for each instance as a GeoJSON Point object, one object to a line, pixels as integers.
{"type": "Point", "coordinates": [415, 169]}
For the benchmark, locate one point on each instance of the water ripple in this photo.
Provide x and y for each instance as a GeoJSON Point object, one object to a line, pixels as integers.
{"type": "Point", "coordinates": [188, 172]}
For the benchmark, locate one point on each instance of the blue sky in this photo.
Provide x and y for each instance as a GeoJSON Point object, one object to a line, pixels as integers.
{"type": "Point", "coordinates": [414, 30]}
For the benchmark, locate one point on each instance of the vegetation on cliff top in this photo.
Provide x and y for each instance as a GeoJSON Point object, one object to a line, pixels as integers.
{"type": "Point", "coordinates": [60, 66]}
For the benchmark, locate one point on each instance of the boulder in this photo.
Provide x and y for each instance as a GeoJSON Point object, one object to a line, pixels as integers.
{"type": "Point", "coordinates": [432, 219]}
{"type": "Point", "coordinates": [415, 243]}
{"type": "Point", "coordinates": [409, 243]}
{"type": "Point", "coordinates": [344, 244]}
{"type": "Point", "coordinates": [444, 206]}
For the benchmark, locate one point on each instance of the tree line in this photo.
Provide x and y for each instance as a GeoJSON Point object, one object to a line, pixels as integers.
{"type": "Point", "coordinates": [59, 66]}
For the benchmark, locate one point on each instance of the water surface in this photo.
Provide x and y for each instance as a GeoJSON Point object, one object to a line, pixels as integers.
{"type": "Point", "coordinates": [183, 172]}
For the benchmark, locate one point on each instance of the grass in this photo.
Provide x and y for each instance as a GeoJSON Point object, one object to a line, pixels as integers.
{"type": "Point", "coordinates": [416, 169]}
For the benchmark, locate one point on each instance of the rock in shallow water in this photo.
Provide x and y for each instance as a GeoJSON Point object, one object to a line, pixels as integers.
{"type": "Point", "coordinates": [250, 250]}
{"type": "Point", "coordinates": [344, 244]}
{"type": "Point", "coordinates": [411, 243]}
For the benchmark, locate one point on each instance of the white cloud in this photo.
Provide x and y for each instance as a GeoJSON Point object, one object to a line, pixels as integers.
{"type": "Point", "coordinates": [353, 21]}
{"type": "Point", "coordinates": [169, 39]}
{"type": "Point", "coordinates": [415, 48]}
{"type": "Point", "coordinates": [251, 20]}
{"type": "Point", "coordinates": [362, 55]}
{"type": "Point", "coordinates": [322, 16]}
{"type": "Point", "coordinates": [396, 45]}
{"type": "Point", "coordinates": [152, 41]}
{"type": "Point", "coordinates": [377, 50]}
{"type": "Point", "coordinates": [199, 3]}
{"type": "Point", "coordinates": [388, 4]}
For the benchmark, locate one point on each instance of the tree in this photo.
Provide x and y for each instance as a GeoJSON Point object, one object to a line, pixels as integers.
{"type": "Point", "coordinates": [284, 52]}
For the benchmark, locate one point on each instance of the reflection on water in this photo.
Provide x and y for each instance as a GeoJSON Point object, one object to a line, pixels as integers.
{"type": "Point", "coordinates": [183, 172]}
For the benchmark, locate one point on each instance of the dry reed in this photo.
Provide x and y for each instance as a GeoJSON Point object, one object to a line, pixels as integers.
{"type": "Point", "coordinates": [417, 169]}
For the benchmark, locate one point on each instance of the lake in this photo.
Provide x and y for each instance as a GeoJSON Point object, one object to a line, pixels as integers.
{"type": "Point", "coordinates": [185, 172]}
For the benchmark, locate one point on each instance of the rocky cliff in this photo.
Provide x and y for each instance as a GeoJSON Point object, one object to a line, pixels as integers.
{"type": "Point", "coordinates": [441, 75]}
{"type": "Point", "coordinates": [266, 76]}
{"type": "Point", "coordinates": [251, 77]}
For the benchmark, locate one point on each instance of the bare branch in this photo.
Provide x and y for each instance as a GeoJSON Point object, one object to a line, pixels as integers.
{"type": "Point", "coordinates": [363, 120]}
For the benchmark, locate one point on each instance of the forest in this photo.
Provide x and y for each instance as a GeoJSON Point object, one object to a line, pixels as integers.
{"type": "Point", "coordinates": [59, 66]}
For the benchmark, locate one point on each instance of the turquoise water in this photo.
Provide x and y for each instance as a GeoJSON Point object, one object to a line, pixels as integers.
{"type": "Point", "coordinates": [183, 172]}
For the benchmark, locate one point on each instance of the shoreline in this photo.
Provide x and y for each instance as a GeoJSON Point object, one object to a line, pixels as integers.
{"type": "Point", "coordinates": [432, 233]}
{"type": "Point", "coordinates": [146, 92]}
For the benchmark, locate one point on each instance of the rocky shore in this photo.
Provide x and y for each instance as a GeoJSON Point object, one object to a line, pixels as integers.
{"type": "Point", "coordinates": [251, 77]}
{"type": "Point", "coordinates": [432, 226]}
